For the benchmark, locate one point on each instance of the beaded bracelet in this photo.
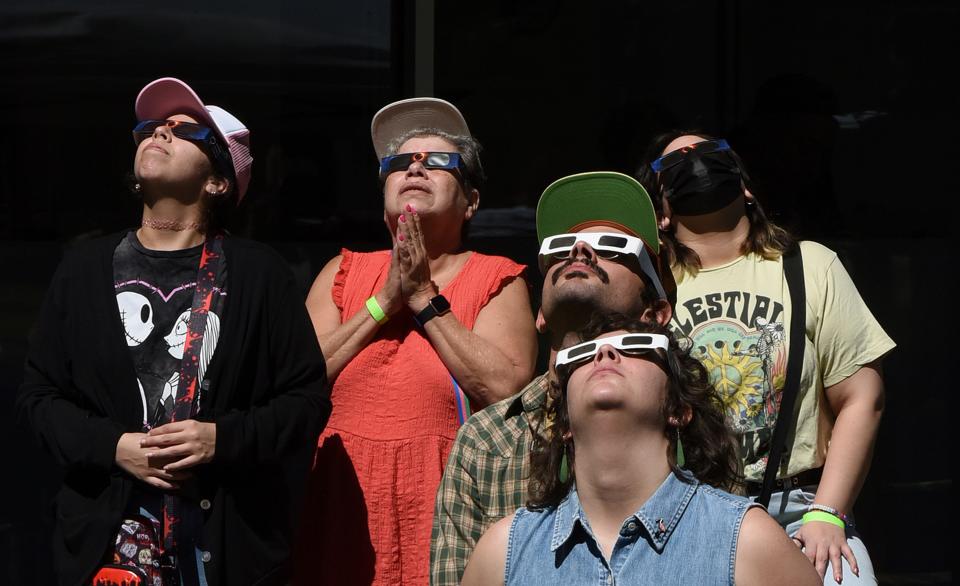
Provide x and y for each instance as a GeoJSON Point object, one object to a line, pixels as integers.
{"type": "Point", "coordinates": [825, 517]}
{"type": "Point", "coordinates": [832, 511]}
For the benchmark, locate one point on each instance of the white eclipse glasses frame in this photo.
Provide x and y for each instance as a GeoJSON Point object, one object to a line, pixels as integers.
{"type": "Point", "coordinates": [629, 343]}
{"type": "Point", "coordinates": [608, 245]}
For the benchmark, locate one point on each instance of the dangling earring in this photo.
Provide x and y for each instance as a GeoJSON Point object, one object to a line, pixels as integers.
{"type": "Point", "coordinates": [564, 474]}
{"type": "Point", "coordinates": [137, 188]}
{"type": "Point", "coordinates": [681, 460]}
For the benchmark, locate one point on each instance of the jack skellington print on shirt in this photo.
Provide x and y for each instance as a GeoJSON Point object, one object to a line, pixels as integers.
{"type": "Point", "coordinates": [154, 291]}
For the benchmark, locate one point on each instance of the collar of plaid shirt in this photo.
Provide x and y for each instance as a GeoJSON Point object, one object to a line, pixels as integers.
{"type": "Point", "coordinates": [531, 399]}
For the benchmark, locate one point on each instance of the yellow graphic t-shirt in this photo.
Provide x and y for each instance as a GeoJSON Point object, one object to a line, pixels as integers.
{"type": "Point", "coordinates": [737, 317]}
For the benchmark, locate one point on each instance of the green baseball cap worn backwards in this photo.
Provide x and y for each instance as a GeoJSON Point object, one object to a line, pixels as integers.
{"type": "Point", "coordinates": [576, 202]}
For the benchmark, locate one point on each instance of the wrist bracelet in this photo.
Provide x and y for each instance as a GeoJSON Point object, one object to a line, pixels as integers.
{"type": "Point", "coordinates": [825, 517]}
{"type": "Point", "coordinates": [376, 312]}
{"type": "Point", "coordinates": [832, 511]}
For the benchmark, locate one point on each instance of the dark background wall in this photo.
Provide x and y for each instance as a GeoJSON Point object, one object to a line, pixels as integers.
{"type": "Point", "coordinates": [844, 113]}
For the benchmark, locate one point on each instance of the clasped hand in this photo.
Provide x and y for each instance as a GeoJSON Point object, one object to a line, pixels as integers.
{"type": "Point", "coordinates": [162, 458]}
{"type": "Point", "coordinates": [409, 281]}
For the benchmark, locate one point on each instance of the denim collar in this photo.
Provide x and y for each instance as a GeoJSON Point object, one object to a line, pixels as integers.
{"type": "Point", "coordinates": [667, 504]}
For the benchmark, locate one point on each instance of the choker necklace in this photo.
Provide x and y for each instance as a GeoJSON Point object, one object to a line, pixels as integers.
{"type": "Point", "coordinates": [173, 225]}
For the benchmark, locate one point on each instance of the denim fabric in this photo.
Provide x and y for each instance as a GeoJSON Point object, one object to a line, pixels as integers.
{"type": "Point", "coordinates": [789, 513]}
{"type": "Point", "coordinates": [686, 533]}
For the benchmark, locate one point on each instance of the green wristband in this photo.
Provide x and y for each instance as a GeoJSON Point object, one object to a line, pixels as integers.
{"type": "Point", "coordinates": [825, 517]}
{"type": "Point", "coordinates": [376, 312]}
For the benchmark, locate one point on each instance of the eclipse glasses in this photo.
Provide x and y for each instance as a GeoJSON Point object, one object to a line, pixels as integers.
{"type": "Point", "coordinates": [607, 245]}
{"type": "Point", "coordinates": [430, 160]}
{"type": "Point", "coordinates": [629, 344]}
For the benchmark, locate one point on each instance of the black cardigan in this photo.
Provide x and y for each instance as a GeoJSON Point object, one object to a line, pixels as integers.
{"type": "Point", "coordinates": [267, 394]}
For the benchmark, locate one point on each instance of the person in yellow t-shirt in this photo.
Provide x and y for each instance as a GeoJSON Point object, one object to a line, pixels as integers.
{"type": "Point", "coordinates": [733, 305]}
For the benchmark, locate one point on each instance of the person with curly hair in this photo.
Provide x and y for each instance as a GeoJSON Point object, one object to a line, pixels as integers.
{"type": "Point", "coordinates": [628, 484]}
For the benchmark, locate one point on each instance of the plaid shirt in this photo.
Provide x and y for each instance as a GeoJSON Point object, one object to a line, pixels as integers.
{"type": "Point", "coordinates": [485, 479]}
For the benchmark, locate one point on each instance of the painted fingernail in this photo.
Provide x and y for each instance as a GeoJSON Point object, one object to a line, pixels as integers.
{"type": "Point", "coordinates": [400, 237]}
{"type": "Point", "coordinates": [409, 208]}
{"type": "Point", "coordinates": [403, 219]}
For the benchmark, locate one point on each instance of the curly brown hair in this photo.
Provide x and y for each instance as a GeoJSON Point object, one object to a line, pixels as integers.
{"type": "Point", "coordinates": [765, 238]}
{"type": "Point", "coordinates": [708, 445]}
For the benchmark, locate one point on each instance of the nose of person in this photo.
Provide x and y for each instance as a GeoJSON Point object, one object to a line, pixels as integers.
{"type": "Point", "coordinates": [584, 250]}
{"type": "Point", "coordinates": [416, 169]}
{"type": "Point", "coordinates": [162, 132]}
{"type": "Point", "coordinates": [606, 353]}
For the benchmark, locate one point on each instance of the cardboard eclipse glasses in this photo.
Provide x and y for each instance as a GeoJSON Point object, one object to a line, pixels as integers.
{"type": "Point", "coordinates": [607, 245]}
{"type": "Point", "coordinates": [624, 344]}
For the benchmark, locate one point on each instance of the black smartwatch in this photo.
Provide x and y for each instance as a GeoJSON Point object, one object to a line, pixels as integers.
{"type": "Point", "coordinates": [437, 306]}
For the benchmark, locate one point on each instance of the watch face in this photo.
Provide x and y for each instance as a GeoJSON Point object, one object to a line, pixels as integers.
{"type": "Point", "coordinates": [440, 304]}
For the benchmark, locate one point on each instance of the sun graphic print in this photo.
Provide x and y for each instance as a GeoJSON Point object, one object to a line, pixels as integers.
{"type": "Point", "coordinates": [741, 363]}
{"type": "Point", "coordinates": [738, 377]}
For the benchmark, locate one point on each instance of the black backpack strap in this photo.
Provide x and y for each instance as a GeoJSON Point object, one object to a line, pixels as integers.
{"type": "Point", "coordinates": [793, 272]}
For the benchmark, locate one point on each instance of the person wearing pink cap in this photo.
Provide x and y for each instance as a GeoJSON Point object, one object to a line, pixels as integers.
{"type": "Point", "coordinates": [174, 374]}
{"type": "Point", "coordinates": [414, 337]}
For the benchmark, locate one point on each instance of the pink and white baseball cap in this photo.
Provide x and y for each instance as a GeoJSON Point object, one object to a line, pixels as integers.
{"type": "Point", "coordinates": [168, 96]}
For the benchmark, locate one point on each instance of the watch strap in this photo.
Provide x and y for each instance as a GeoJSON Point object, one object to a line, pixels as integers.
{"type": "Point", "coordinates": [438, 305]}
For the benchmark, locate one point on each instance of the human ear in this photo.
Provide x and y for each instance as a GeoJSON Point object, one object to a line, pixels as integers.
{"type": "Point", "coordinates": [683, 419]}
{"type": "Point", "coordinates": [659, 311]}
{"type": "Point", "coordinates": [665, 214]}
{"type": "Point", "coordinates": [473, 202]}
{"type": "Point", "coordinates": [217, 185]}
{"type": "Point", "coordinates": [541, 322]}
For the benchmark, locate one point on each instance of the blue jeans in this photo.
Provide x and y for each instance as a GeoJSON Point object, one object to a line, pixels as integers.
{"type": "Point", "coordinates": [789, 512]}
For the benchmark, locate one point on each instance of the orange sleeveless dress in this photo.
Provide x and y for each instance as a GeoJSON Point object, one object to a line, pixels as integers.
{"type": "Point", "coordinates": [381, 456]}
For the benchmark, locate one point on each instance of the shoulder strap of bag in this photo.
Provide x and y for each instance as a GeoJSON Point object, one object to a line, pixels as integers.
{"type": "Point", "coordinates": [793, 272]}
{"type": "Point", "coordinates": [185, 406]}
{"type": "Point", "coordinates": [461, 401]}
{"type": "Point", "coordinates": [187, 402]}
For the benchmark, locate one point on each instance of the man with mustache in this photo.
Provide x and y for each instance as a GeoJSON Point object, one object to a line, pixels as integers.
{"type": "Point", "coordinates": [599, 253]}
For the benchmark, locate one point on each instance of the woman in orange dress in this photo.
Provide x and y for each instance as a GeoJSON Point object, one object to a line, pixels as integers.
{"type": "Point", "coordinates": [414, 338]}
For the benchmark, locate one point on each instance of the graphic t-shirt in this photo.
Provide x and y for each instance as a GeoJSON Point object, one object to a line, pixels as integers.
{"type": "Point", "coordinates": [154, 292]}
{"type": "Point", "coordinates": [738, 318]}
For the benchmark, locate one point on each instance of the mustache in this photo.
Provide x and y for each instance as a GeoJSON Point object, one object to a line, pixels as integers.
{"type": "Point", "coordinates": [591, 263]}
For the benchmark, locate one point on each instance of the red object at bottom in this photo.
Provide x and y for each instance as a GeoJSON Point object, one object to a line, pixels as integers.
{"type": "Point", "coordinates": [119, 576]}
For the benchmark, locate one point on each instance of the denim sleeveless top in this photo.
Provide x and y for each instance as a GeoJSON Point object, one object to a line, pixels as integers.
{"type": "Point", "coordinates": [686, 533]}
